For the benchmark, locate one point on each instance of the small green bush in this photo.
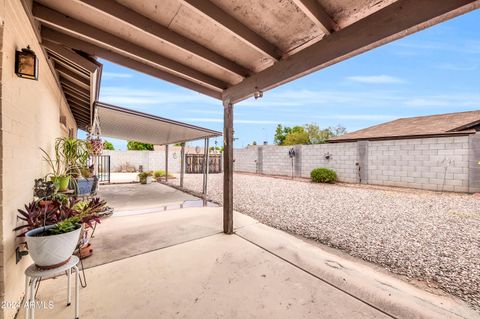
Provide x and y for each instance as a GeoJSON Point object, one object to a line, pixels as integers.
{"type": "Point", "coordinates": [143, 177]}
{"type": "Point", "coordinates": [159, 173]}
{"type": "Point", "coordinates": [323, 175]}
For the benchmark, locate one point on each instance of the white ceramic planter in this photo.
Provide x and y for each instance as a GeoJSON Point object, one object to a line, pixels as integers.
{"type": "Point", "coordinates": [48, 251]}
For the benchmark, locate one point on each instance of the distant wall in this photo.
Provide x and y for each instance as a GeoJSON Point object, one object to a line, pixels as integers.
{"type": "Point", "coordinates": [443, 163]}
{"type": "Point", "coordinates": [150, 160]}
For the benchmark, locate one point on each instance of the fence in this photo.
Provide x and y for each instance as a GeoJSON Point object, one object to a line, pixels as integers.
{"type": "Point", "coordinates": [195, 162]}
{"type": "Point", "coordinates": [440, 163]}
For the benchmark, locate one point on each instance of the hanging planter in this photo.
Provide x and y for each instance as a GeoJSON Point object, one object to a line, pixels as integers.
{"type": "Point", "coordinates": [96, 146]}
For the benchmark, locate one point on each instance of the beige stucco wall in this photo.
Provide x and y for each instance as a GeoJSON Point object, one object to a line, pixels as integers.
{"type": "Point", "coordinates": [30, 113]}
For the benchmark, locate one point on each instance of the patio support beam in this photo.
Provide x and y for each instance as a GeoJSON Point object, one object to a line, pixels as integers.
{"type": "Point", "coordinates": [117, 58]}
{"type": "Point", "coordinates": [91, 34]}
{"type": "Point", "coordinates": [182, 163]}
{"type": "Point", "coordinates": [395, 21]}
{"type": "Point", "coordinates": [317, 14]}
{"type": "Point", "coordinates": [164, 34]}
{"type": "Point", "coordinates": [220, 17]}
{"type": "Point", "coordinates": [228, 167]}
{"type": "Point", "coordinates": [206, 160]}
{"type": "Point", "coordinates": [166, 163]}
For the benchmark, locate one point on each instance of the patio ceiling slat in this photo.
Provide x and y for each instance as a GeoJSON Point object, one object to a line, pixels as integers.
{"type": "Point", "coordinates": [93, 35]}
{"type": "Point", "coordinates": [68, 55]}
{"type": "Point", "coordinates": [71, 67]}
{"type": "Point", "coordinates": [75, 87]}
{"type": "Point", "coordinates": [80, 96]}
{"type": "Point", "coordinates": [392, 22]}
{"type": "Point", "coordinates": [317, 14]}
{"type": "Point", "coordinates": [120, 12]}
{"type": "Point", "coordinates": [76, 98]}
{"type": "Point", "coordinates": [126, 61]}
{"type": "Point", "coordinates": [217, 15]}
{"type": "Point", "coordinates": [75, 77]}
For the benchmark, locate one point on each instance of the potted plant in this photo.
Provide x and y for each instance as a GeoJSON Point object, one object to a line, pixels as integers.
{"type": "Point", "coordinates": [52, 232]}
{"type": "Point", "coordinates": [59, 175]}
{"type": "Point", "coordinates": [85, 182]}
{"type": "Point", "coordinates": [145, 177]}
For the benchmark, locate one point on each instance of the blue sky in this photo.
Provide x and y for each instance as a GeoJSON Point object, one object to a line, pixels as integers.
{"type": "Point", "coordinates": [430, 72]}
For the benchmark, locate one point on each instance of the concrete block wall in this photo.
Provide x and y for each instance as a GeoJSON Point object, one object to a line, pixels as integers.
{"type": "Point", "coordinates": [342, 159]}
{"type": "Point", "coordinates": [246, 159]}
{"type": "Point", "coordinates": [439, 163]}
{"type": "Point", "coordinates": [428, 163]}
{"type": "Point", "coordinates": [276, 160]}
{"type": "Point", "coordinates": [150, 160]}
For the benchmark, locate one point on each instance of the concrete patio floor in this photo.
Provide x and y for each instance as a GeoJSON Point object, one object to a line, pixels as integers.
{"type": "Point", "coordinates": [178, 264]}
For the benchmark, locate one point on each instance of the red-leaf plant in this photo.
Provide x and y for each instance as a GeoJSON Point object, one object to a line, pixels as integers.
{"type": "Point", "coordinates": [73, 213]}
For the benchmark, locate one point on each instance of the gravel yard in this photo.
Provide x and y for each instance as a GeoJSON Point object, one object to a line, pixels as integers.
{"type": "Point", "coordinates": [423, 235]}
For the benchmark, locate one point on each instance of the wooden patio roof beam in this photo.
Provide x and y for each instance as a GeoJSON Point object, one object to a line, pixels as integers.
{"type": "Point", "coordinates": [220, 17]}
{"type": "Point", "coordinates": [60, 52]}
{"type": "Point", "coordinates": [114, 57]}
{"type": "Point", "coordinates": [317, 14]}
{"type": "Point", "coordinates": [395, 21]}
{"type": "Point", "coordinates": [91, 34]}
{"type": "Point", "coordinates": [127, 15]}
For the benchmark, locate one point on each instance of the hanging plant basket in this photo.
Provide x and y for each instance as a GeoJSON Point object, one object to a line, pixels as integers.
{"type": "Point", "coordinates": [96, 146]}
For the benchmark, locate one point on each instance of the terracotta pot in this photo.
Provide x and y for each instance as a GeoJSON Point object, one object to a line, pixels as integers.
{"type": "Point", "coordinates": [53, 250]}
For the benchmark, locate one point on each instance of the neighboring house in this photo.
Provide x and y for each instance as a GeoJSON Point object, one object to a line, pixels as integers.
{"type": "Point", "coordinates": [451, 124]}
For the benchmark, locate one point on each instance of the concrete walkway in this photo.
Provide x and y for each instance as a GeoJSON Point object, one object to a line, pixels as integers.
{"type": "Point", "coordinates": [129, 199]}
{"type": "Point", "coordinates": [178, 264]}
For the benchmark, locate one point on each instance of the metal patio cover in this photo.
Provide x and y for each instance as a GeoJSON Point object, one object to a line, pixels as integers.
{"type": "Point", "coordinates": [131, 125]}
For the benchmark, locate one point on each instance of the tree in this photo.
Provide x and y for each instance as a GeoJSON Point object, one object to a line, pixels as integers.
{"type": "Point", "coordinates": [297, 135]}
{"type": "Point", "coordinates": [108, 146]}
{"type": "Point", "coordinates": [254, 143]}
{"type": "Point", "coordinates": [338, 130]}
{"type": "Point", "coordinates": [307, 134]}
{"type": "Point", "coordinates": [317, 135]}
{"type": "Point", "coordinates": [139, 146]}
{"type": "Point", "coordinates": [280, 134]}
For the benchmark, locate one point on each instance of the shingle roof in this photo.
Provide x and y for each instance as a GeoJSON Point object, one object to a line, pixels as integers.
{"type": "Point", "coordinates": [432, 125]}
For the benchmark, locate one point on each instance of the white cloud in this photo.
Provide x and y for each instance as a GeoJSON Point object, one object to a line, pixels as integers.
{"type": "Point", "coordinates": [219, 120]}
{"type": "Point", "coordinates": [458, 67]}
{"type": "Point", "coordinates": [124, 96]}
{"type": "Point", "coordinates": [375, 79]}
{"type": "Point", "coordinates": [357, 117]}
{"type": "Point", "coordinates": [116, 75]}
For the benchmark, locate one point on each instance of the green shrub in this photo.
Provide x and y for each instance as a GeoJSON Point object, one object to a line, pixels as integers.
{"type": "Point", "coordinates": [323, 175]}
{"type": "Point", "coordinates": [159, 173]}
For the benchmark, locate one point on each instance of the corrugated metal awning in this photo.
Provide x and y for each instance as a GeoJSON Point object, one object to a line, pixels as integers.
{"type": "Point", "coordinates": [126, 124]}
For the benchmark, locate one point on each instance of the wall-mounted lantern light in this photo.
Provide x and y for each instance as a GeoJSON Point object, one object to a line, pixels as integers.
{"type": "Point", "coordinates": [26, 64]}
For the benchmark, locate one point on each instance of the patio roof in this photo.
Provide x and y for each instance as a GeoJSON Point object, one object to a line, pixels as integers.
{"type": "Point", "coordinates": [228, 49]}
{"type": "Point", "coordinates": [127, 124]}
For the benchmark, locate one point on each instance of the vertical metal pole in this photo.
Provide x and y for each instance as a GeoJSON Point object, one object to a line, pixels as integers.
{"type": "Point", "coordinates": [206, 159]}
{"type": "Point", "coordinates": [166, 163]}
{"type": "Point", "coordinates": [182, 164]}
{"type": "Point", "coordinates": [228, 167]}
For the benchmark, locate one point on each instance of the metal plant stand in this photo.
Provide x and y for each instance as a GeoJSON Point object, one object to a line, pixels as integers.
{"type": "Point", "coordinates": [33, 276]}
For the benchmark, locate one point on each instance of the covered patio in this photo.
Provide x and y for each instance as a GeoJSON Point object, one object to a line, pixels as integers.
{"type": "Point", "coordinates": [196, 262]}
{"type": "Point", "coordinates": [179, 263]}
